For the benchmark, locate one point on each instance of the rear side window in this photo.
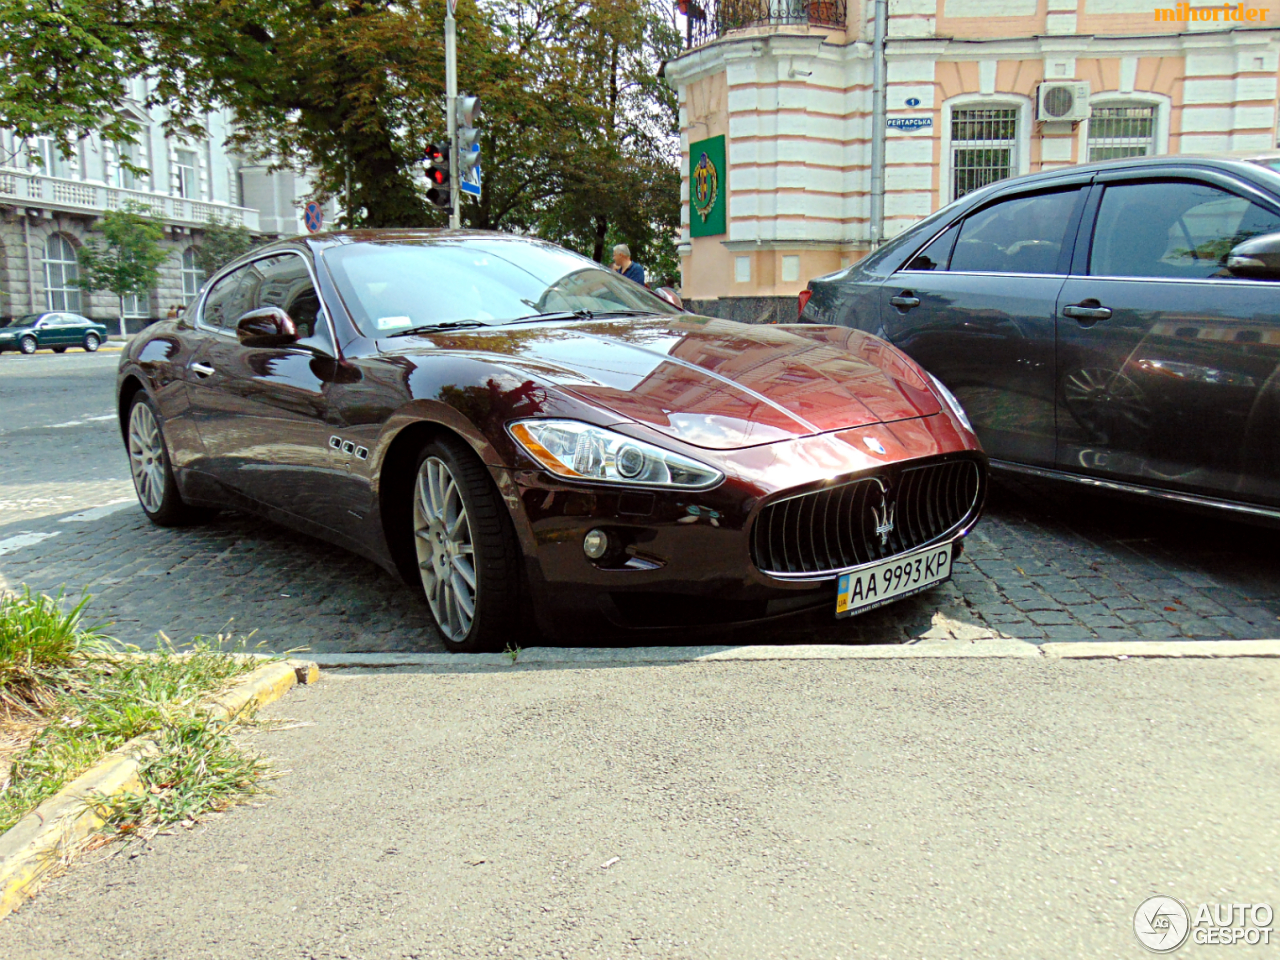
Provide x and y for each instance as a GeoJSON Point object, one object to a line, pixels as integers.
{"type": "Point", "coordinates": [1018, 235]}
{"type": "Point", "coordinates": [937, 253]}
{"type": "Point", "coordinates": [1172, 229]}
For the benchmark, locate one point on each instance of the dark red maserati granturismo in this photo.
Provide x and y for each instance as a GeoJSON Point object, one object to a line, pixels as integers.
{"type": "Point", "coordinates": [524, 435]}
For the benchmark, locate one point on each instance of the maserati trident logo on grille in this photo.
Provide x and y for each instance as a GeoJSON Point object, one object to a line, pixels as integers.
{"type": "Point", "coordinates": [884, 520]}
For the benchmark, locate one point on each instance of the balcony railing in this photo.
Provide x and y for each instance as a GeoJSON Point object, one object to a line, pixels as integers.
{"type": "Point", "coordinates": [706, 20]}
{"type": "Point", "coordinates": [22, 188]}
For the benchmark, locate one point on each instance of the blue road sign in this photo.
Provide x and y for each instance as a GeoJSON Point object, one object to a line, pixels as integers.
{"type": "Point", "coordinates": [469, 182]}
{"type": "Point", "coordinates": [313, 217]}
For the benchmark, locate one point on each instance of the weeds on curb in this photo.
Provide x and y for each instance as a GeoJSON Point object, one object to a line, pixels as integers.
{"type": "Point", "coordinates": [513, 652]}
{"type": "Point", "coordinates": [96, 696]}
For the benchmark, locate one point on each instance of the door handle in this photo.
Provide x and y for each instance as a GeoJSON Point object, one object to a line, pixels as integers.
{"type": "Point", "coordinates": [1087, 310]}
{"type": "Point", "coordinates": [201, 369]}
{"type": "Point", "coordinates": [905, 301]}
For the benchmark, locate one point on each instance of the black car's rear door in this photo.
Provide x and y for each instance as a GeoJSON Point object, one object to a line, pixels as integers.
{"type": "Point", "coordinates": [1167, 366]}
{"type": "Point", "coordinates": [976, 308]}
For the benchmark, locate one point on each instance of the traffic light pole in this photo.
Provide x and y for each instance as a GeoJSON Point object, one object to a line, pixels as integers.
{"type": "Point", "coordinates": [450, 110]}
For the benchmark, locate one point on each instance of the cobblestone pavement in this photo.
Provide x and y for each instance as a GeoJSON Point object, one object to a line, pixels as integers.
{"type": "Point", "coordinates": [1046, 563]}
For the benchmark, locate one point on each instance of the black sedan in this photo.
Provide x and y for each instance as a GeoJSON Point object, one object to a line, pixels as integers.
{"type": "Point", "coordinates": [1116, 324]}
{"type": "Point", "coordinates": [55, 330]}
{"type": "Point", "coordinates": [527, 437]}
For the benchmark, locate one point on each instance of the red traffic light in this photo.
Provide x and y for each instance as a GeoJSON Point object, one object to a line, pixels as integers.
{"type": "Point", "coordinates": [438, 176]}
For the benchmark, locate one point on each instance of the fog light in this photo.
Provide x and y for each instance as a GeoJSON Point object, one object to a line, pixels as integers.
{"type": "Point", "coordinates": [595, 544]}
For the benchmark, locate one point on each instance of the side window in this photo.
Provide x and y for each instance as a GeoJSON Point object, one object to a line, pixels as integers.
{"type": "Point", "coordinates": [285, 282]}
{"type": "Point", "coordinates": [219, 306]}
{"type": "Point", "coordinates": [1019, 235]}
{"type": "Point", "coordinates": [936, 255]}
{"type": "Point", "coordinates": [1172, 229]}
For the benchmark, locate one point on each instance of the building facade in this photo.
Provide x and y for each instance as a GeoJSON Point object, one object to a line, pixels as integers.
{"type": "Point", "coordinates": [48, 207]}
{"type": "Point", "coordinates": [976, 90]}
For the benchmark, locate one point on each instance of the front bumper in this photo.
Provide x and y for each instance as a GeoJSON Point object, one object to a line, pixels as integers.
{"type": "Point", "coordinates": [684, 559]}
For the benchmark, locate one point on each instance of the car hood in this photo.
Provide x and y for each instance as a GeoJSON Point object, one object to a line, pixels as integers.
{"type": "Point", "coordinates": [708, 382]}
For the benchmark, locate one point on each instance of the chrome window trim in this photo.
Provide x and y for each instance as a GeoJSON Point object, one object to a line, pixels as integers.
{"type": "Point", "coordinates": [1231, 280]}
{"type": "Point", "coordinates": [200, 325]}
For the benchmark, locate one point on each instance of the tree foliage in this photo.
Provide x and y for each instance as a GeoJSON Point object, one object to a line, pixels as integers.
{"type": "Point", "coordinates": [128, 262]}
{"type": "Point", "coordinates": [220, 243]}
{"type": "Point", "coordinates": [579, 135]}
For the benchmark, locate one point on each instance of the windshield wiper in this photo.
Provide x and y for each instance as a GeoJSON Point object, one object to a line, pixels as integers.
{"type": "Point", "coordinates": [577, 315]}
{"type": "Point", "coordinates": [437, 327]}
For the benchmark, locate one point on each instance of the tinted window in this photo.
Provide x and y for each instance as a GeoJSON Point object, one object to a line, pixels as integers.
{"type": "Point", "coordinates": [1172, 229]}
{"type": "Point", "coordinates": [285, 282]}
{"type": "Point", "coordinates": [1020, 235]}
{"type": "Point", "coordinates": [218, 306]}
{"type": "Point", "coordinates": [936, 254]}
{"type": "Point", "coordinates": [396, 286]}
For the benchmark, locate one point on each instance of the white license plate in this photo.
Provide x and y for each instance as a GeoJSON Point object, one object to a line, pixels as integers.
{"type": "Point", "coordinates": [900, 577]}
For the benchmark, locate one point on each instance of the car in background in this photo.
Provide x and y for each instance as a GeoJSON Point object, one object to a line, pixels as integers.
{"type": "Point", "coordinates": [528, 438]}
{"type": "Point", "coordinates": [1115, 324]}
{"type": "Point", "coordinates": [55, 330]}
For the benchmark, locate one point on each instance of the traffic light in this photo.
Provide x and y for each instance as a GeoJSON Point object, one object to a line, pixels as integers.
{"type": "Point", "coordinates": [437, 161]}
{"type": "Point", "coordinates": [468, 115]}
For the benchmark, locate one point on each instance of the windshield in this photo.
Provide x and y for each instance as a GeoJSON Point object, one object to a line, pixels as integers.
{"type": "Point", "coordinates": [400, 285]}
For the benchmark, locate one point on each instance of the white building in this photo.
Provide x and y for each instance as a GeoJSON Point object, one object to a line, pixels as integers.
{"type": "Point", "coordinates": [47, 210]}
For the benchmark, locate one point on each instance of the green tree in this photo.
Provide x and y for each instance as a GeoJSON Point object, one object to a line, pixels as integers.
{"type": "Point", "coordinates": [220, 243]}
{"type": "Point", "coordinates": [128, 262]}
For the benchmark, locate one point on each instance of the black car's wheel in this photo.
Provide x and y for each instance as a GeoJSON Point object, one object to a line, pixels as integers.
{"type": "Point", "coordinates": [468, 556]}
{"type": "Point", "coordinates": [149, 463]}
{"type": "Point", "coordinates": [28, 344]}
{"type": "Point", "coordinates": [92, 342]}
{"type": "Point", "coordinates": [59, 349]}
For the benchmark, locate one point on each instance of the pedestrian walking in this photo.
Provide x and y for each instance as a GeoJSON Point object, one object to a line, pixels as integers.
{"type": "Point", "coordinates": [624, 265]}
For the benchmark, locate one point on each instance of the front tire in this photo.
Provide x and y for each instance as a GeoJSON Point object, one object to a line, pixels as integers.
{"type": "Point", "coordinates": [468, 556]}
{"type": "Point", "coordinates": [91, 342]}
{"type": "Point", "coordinates": [152, 474]}
{"type": "Point", "coordinates": [28, 345]}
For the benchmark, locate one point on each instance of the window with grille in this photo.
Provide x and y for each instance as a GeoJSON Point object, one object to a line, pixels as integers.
{"type": "Point", "coordinates": [984, 143]}
{"type": "Point", "coordinates": [61, 271]}
{"type": "Point", "coordinates": [1121, 130]}
{"type": "Point", "coordinates": [192, 276]}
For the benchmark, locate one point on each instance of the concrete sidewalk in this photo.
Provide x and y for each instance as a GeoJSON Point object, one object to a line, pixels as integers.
{"type": "Point", "coordinates": [832, 808]}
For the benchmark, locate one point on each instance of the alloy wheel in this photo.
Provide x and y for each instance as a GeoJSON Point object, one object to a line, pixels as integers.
{"type": "Point", "coordinates": [91, 342]}
{"type": "Point", "coordinates": [28, 345]}
{"type": "Point", "coordinates": [146, 457]}
{"type": "Point", "coordinates": [446, 553]}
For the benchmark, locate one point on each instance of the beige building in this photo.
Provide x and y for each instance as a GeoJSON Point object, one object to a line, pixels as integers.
{"type": "Point", "coordinates": [973, 91]}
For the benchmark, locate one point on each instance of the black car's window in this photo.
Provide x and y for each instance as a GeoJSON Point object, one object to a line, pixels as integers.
{"type": "Point", "coordinates": [1019, 235]}
{"type": "Point", "coordinates": [936, 255]}
{"type": "Point", "coordinates": [1172, 229]}
{"type": "Point", "coordinates": [398, 285]}
{"type": "Point", "coordinates": [285, 282]}
{"type": "Point", "coordinates": [220, 303]}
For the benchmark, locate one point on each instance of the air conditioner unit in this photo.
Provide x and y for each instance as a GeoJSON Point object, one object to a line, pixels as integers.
{"type": "Point", "coordinates": [1060, 102]}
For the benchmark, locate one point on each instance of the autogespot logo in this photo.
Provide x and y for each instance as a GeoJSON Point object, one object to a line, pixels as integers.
{"type": "Point", "coordinates": [1161, 924]}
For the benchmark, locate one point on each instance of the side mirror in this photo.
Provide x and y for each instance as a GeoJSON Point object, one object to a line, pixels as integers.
{"type": "Point", "coordinates": [1258, 258]}
{"type": "Point", "coordinates": [267, 327]}
{"type": "Point", "coordinates": [668, 294]}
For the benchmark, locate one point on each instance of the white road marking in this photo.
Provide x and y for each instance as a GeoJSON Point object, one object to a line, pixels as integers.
{"type": "Point", "coordinates": [81, 423]}
{"type": "Point", "coordinates": [97, 513]}
{"type": "Point", "coordinates": [17, 542]}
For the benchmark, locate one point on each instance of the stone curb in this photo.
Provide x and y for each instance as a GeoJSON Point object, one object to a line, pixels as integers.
{"type": "Point", "coordinates": [927, 649]}
{"type": "Point", "coordinates": [43, 839]}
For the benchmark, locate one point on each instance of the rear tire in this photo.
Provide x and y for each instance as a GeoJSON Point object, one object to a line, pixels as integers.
{"type": "Point", "coordinates": [59, 349]}
{"type": "Point", "coordinates": [92, 342]}
{"type": "Point", "coordinates": [28, 345]}
{"type": "Point", "coordinates": [467, 552]}
{"type": "Point", "coordinates": [149, 465]}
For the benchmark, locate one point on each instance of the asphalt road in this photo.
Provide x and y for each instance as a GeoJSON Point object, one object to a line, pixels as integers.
{"type": "Point", "coordinates": [899, 809]}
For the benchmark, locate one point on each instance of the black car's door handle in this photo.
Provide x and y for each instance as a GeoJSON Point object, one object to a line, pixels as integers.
{"type": "Point", "coordinates": [1087, 310]}
{"type": "Point", "coordinates": [905, 301]}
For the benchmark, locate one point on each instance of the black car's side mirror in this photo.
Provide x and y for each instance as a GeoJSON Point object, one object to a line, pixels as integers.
{"type": "Point", "coordinates": [266, 327]}
{"type": "Point", "coordinates": [1258, 258]}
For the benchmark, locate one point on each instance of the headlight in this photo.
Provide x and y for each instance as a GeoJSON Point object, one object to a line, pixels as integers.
{"type": "Point", "coordinates": [950, 400]}
{"type": "Point", "coordinates": [580, 451]}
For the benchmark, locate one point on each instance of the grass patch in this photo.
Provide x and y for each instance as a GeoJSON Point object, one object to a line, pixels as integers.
{"type": "Point", "coordinates": [56, 673]}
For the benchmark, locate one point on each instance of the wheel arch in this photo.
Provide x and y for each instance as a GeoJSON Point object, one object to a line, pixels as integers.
{"type": "Point", "coordinates": [129, 388]}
